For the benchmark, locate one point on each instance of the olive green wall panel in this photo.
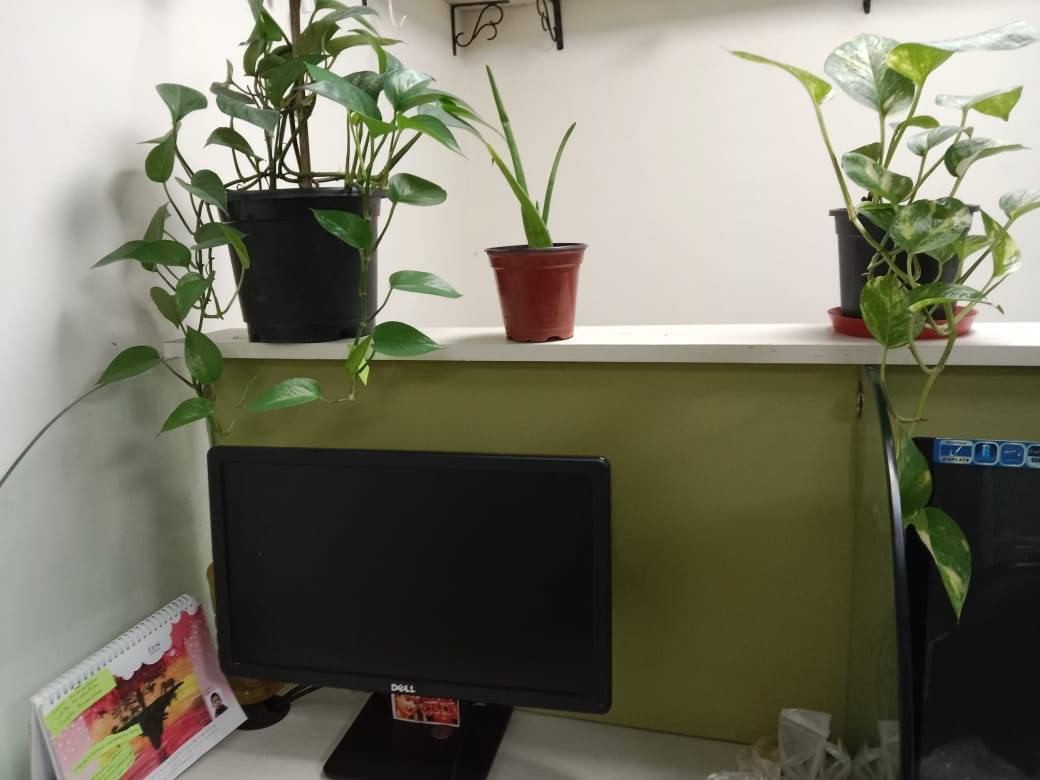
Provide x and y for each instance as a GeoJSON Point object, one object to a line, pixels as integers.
{"type": "Point", "coordinates": [734, 489]}
{"type": "Point", "coordinates": [732, 493]}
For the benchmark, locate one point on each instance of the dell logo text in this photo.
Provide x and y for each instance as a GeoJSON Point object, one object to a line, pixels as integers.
{"type": "Point", "coordinates": [401, 688]}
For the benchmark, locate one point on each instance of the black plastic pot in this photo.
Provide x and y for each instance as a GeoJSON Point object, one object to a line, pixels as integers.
{"type": "Point", "coordinates": [854, 255]}
{"type": "Point", "coordinates": [302, 282]}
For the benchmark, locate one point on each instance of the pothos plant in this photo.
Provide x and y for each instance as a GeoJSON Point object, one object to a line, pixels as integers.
{"type": "Point", "coordinates": [283, 77]}
{"type": "Point", "coordinates": [888, 77]}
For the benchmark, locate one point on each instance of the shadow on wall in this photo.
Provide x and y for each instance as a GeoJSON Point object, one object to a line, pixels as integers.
{"type": "Point", "coordinates": [102, 523]}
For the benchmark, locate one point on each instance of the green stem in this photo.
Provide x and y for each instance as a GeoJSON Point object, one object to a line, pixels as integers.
{"type": "Point", "coordinates": [898, 135]}
{"type": "Point", "coordinates": [176, 208]}
{"type": "Point", "coordinates": [169, 368]}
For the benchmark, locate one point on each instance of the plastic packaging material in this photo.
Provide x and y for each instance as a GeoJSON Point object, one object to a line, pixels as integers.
{"type": "Point", "coordinates": [880, 763]}
{"type": "Point", "coordinates": [803, 743]}
{"type": "Point", "coordinates": [837, 763]}
{"type": "Point", "coordinates": [800, 751]}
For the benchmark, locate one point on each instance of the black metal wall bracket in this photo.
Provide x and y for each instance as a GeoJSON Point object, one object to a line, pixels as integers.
{"type": "Point", "coordinates": [866, 6]}
{"type": "Point", "coordinates": [490, 14]}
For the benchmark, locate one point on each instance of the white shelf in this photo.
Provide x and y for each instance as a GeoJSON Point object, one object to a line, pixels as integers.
{"type": "Point", "coordinates": [991, 344]}
{"type": "Point", "coordinates": [535, 747]}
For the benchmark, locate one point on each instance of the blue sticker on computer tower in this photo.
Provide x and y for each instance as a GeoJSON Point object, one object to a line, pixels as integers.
{"type": "Point", "coordinates": [984, 452]}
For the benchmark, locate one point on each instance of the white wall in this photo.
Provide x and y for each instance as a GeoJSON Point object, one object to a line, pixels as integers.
{"type": "Point", "coordinates": [76, 188]}
{"type": "Point", "coordinates": [102, 523]}
{"type": "Point", "coordinates": [699, 180]}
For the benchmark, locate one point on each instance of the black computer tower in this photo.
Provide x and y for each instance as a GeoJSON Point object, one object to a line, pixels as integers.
{"type": "Point", "coordinates": [976, 683]}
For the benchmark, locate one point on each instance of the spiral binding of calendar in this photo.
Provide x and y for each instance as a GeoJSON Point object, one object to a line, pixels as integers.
{"type": "Point", "coordinates": [124, 643]}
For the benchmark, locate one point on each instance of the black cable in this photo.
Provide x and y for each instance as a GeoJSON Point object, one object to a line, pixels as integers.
{"type": "Point", "coordinates": [294, 693]}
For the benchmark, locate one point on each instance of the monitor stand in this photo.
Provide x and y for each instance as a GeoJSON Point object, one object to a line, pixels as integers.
{"type": "Point", "coordinates": [377, 747]}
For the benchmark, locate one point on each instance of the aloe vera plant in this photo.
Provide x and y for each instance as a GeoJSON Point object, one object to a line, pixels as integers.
{"type": "Point", "coordinates": [888, 77]}
{"type": "Point", "coordinates": [535, 216]}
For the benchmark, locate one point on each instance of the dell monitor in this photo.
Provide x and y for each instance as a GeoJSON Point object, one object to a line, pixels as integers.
{"type": "Point", "coordinates": [479, 578]}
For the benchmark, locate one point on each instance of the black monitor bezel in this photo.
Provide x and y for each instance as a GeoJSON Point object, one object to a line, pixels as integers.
{"type": "Point", "coordinates": [595, 467]}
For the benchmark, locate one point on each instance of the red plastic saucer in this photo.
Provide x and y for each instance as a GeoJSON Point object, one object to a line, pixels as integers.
{"type": "Point", "coordinates": [854, 326]}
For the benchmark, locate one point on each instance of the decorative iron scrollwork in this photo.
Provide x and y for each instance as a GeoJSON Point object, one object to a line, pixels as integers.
{"type": "Point", "coordinates": [489, 18]}
{"type": "Point", "coordinates": [551, 23]}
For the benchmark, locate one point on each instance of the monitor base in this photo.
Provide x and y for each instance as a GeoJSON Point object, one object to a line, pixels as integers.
{"type": "Point", "coordinates": [377, 747]}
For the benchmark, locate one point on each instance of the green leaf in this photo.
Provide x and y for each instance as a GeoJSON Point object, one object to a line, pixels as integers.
{"type": "Point", "coordinates": [535, 229]}
{"type": "Point", "coordinates": [963, 154]}
{"type": "Point", "coordinates": [1007, 258]}
{"type": "Point", "coordinates": [341, 11]}
{"type": "Point", "coordinates": [358, 38]}
{"type": "Point", "coordinates": [190, 289]}
{"type": "Point", "coordinates": [287, 393]}
{"type": "Point", "coordinates": [400, 340]}
{"type": "Point", "coordinates": [166, 304]}
{"type": "Point", "coordinates": [922, 120]}
{"type": "Point", "coordinates": [189, 411]}
{"type": "Point", "coordinates": [422, 282]}
{"type": "Point", "coordinates": [1009, 36]}
{"type": "Point", "coordinates": [449, 119]}
{"type": "Point", "coordinates": [406, 188]}
{"type": "Point", "coordinates": [129, 363]}
{"type": "Point", "coordinates": [358, 356]}
{"type": "Point", "coordinates": [377, 127]}
{"type": "Point", "coordinates": [967, 245]}
{"type": "Point", "coordinates": [927, 225]}
{"type": "Point", "coordinates": [214, 234]}
{"type": "Point", "coordinates": [203, 358]}
{"type": "Point", "coordinates": [511, 144]}
{"type": "Point", "coordinates": [225, 91]}
{"type": "Point", "coordinates": [1020, 202]}
{"type": "Point", "coordinates": [181, 100]}
{"type": "Point", "coordinates": [881, 214]}
{"type": "Point", "coordinates": [998, 103]}
{"type": "Point", "coordinates": [254, 50]}
{"type": "Point", "coordinates": [431, 126]}
{"type": "Point", "coordinates": [949, 548]}
{"type": "Point", "coordinates": [551, 185]}
{"type": "Point", "coordinates": [367, 80]}
{"type": "Point", "coordinates": [348, 228]}
{"type": "Point", "coordinates": [915, 478]}
{"type": "Point", "coordinates": [936, 293]}
{"type": "Point", "coordinates": [818, 89]}
{"type": "Point", "coordinates": [266, 25]}
{"type": "Point", "coordinates": [922, 143]}
{"type": "Point", "coordinates": [916, 61]}
{"type": "Point", "coordinates": [871, 175]}
{"type": "Point", "coordinates": [231, 138]}
{"type": "Point", "coordinates": [158, 165]}
{"type": "Point", "coordinates": [207, 187]}
{"type": "Point", "coordinates": [314, 37]}
{"type": "Point", "coordinates": [264, 118]}
{"type": "Point", "coordinates": [283, 76]}
{"type": "Point", "coordinates": [883, 303]}
{"type": "Point", "coordinates": [860, 68]}
{"type": "Point", "coordinates": [162, 252]}
{"type": "Point", "coordinates": [157, 224]}
{"type": "Point", "coordinates": [339, 90]}
{"type": "Point", "coordinates": [872, 150]}
{"type": "Point", "coordinates": [399, 83]}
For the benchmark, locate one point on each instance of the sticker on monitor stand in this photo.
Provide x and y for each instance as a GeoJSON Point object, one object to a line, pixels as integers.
{"type": "Point", "coordinates": [983, 452]}
{"type": "Point", "coordinates": [425, 709]}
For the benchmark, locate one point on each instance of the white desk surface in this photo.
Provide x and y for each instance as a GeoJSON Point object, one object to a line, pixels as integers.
{"type": "Point", "coordinates": [535, 747]}
{"type": "Point", "coordinates": [990, 344]}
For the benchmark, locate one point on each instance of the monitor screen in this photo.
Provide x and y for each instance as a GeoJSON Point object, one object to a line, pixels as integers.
{"type": "Point", "coordinates": [479, 577]}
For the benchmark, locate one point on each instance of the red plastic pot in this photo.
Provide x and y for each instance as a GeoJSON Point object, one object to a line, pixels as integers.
{"type": "Point", "coordinates": [854, 326]}
{"type": "Point", "coordinates": [538, 289]}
